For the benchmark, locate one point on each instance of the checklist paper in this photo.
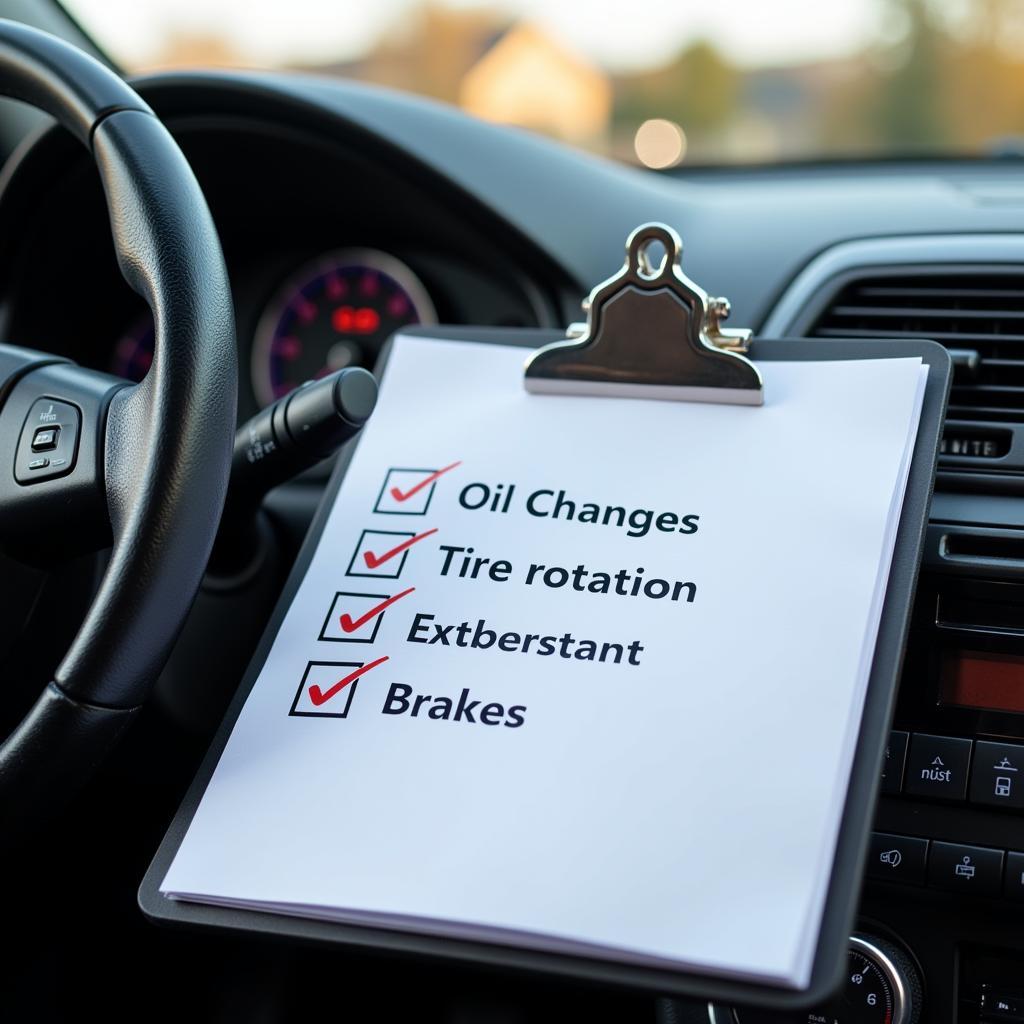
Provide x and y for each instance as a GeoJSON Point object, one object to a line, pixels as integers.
{"type": "Point", "coordinates": [573, 674]}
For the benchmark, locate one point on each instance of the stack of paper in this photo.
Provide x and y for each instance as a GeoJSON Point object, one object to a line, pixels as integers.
{"type": "Point", "coordinates": [573, 673]}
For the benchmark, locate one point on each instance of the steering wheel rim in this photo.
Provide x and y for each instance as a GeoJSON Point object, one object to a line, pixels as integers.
{"type": "Point", "coordinates": [163, 446]}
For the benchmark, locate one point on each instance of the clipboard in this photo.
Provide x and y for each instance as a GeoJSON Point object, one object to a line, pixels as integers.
{"type": "Point", "coordinates": [844, 888]}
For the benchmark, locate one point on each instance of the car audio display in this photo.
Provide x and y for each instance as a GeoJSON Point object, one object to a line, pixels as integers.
{"type": "Point", "coordinates": [964, 670]}
{"type": "Point", "coordinates": [983, 680]}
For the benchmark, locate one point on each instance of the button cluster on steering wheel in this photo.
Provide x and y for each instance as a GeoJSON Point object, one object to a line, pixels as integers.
{"type": "Point", "coordinates": [49, 441]}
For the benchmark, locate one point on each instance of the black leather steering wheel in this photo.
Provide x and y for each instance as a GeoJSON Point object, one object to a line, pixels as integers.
{"type": "Point", "coordinates": [89, 461]}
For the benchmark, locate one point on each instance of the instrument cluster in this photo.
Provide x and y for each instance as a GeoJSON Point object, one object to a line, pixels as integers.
{"type": "Point", "coordinates": [332, 311]}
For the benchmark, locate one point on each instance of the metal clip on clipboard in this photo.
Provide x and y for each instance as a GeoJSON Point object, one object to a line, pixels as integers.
{"type": "Point", "coordinates": [651, 332]}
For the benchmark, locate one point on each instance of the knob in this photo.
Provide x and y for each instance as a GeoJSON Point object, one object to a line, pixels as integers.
{"type": "Point", "coordinates": [881, 986]}
{"type": "Point", "coordinates": [897, 974]}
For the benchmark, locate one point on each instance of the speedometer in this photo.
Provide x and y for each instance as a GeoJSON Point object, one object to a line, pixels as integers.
{"type": "Point", "coordinates": [334, 312]}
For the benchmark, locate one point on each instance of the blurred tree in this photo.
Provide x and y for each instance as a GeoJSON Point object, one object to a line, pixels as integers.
{"type": "Point", "coordinates": [986, 71]}
{"type": "Point", "coordinates": [908, 108]}
{"type": "Point", "coordinates": [699, 90]}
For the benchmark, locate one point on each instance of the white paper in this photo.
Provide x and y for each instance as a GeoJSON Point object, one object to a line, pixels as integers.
{"type": "Point", "coordinates": [682, 809]}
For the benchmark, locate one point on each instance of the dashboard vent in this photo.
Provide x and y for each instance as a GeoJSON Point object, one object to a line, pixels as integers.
{"type": "Point", "coordinates": [979, 317]}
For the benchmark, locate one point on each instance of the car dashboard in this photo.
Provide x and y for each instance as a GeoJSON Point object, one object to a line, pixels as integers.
{"type": "Point", "coordinates": [408, 211]}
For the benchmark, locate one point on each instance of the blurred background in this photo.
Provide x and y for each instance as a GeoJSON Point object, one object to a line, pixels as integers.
{"type": "Point", "coordinates": [660, 84]}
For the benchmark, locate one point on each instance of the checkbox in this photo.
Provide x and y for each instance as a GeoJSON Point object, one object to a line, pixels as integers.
{"type": "Point", "coordinates": [381, 554]}
{"type": "Point", "coordinates": [406, 492]}
{"type": "Point", "coordinates": [355, 618]}
{"type": "Point", "coordinates": [322, 677]}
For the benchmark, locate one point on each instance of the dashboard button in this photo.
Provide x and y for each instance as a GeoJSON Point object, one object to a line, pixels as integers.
{"type": "Point", "coordinates": [1013, 883]}
{"type": "Point", "coordinates": [937, 766]}
{"type": "Point", "coordinates": [998, 1003]}
{"type": "Point", "coordinates": [897, 858]}
{"type": "Point", "coordinates": [968, 869]}
{"type": "Point", "coordinates": [895, 759]}
{"type": "Point", "coordinates": [997, 777]}
{"type": "Point", "coordinates": [45, 439]}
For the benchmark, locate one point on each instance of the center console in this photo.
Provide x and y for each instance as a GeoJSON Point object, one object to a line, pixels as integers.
{"type": "Point", "coordinates": [945, 872]}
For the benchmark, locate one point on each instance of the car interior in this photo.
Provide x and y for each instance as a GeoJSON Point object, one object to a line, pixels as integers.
{"type": "Point", "coordinates": [160, 228]}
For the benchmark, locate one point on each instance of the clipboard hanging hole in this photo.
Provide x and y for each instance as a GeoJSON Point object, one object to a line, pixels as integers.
{"type": "Point", "coordinates": [652, 258]}
{"type": "Point", "coordinates": [653, 250]}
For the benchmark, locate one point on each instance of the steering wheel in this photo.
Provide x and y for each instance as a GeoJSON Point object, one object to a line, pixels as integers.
{"type": "Point", "coordinates": [89, 461]}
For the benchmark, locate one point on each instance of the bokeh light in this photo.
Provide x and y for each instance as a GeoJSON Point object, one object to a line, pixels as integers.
{"type": "Point", "coordinates": [659, 143]}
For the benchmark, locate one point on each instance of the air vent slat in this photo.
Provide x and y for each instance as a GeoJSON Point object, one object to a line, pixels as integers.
{"type": "Point", "coordinates": [978, 315]}
{"type": "Point", "coordinates": [994, 414]}
{"type": "Point", "coordinates": [895, 291]}
{"type": "Point", "coordinates": [921, 312]}
{"type": "Point", "coordinates": [878, 332]}
{"type": "Point", "coordinates": [988, 389]}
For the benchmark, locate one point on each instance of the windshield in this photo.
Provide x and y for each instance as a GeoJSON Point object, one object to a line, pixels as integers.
{"type": "Point", "coordinates": [662, 84]}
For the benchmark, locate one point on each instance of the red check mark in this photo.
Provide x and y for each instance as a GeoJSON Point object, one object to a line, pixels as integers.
{"type": "Point", "coordinates": [318, 696]}
{"type": "Point", "coordinates": [350, 626]}
{"type": "Point", "coordinates": [372, 560]}
{"type": "Point", "coordinates": [399, 495]}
